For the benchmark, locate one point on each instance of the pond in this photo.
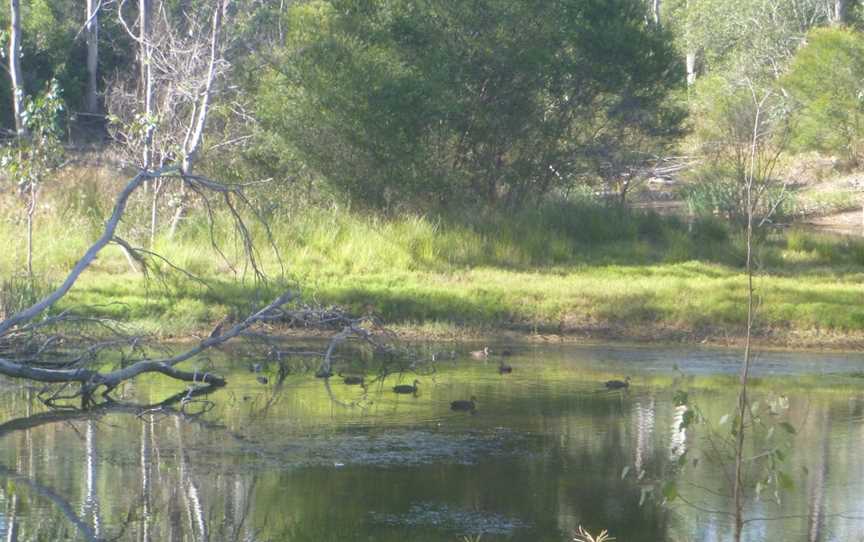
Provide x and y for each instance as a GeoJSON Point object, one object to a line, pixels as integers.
{"type": "Point", "coordinates": [548, 449]}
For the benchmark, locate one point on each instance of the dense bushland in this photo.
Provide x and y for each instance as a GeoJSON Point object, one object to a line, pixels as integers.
{"type": "Point", "coordinates": [465, 163]}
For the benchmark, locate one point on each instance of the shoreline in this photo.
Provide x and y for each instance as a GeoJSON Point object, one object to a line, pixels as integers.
{"type": "Point", "coordinates": [777, 340]}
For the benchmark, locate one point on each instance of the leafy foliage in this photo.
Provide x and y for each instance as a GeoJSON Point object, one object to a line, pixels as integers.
{"type": "Point", "coordinates": [825, 78]}
{"type": "Point", "coordinates": [426, 103]}
{"type": "Point", "coordinates": [741, 128]}
{"type": "Point", "coordinates": [754, 38]}
{"type": "Point", "coordinates": [28, 159]}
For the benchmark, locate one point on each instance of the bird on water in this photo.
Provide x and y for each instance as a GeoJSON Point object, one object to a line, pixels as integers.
{"type": "Point", "coordinates": [407, 388]}
{"type": "Point", "coordinates": [618, 384]}
{"type": "Point", "coordinates": [465, 406]}
{"type": "Point", "coordinates": [351, 380]}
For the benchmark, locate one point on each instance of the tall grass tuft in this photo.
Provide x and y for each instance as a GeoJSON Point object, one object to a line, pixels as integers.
{"type": "Point", "coordinates": [19, 292]}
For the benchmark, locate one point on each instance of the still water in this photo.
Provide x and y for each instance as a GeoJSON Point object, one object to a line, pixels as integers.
{"type": "Point", "coordinates": [549, 449]}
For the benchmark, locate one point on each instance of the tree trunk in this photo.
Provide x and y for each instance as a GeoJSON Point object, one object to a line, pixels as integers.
{"type": "Point", "coordinates": [144, 12]}
{"type": "Point", "coordinates": [195, 134]}
{"type": "Point", "coordinates": [31, 210]}
{"type": "Point", "coordinates": [15, 66]}
{"type": "Point", "coordinates": [839, 12]}
{"type": "Point", "coordinates": [691, 68]}
{"type": "Point", "coordinates": [655, 11]}
{"type": "Point", "coordinates": [156, 188]}
{"type": "Point", "coordinates": [92, 29]}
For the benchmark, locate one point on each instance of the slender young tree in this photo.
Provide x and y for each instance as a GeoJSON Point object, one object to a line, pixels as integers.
{"type": "Point", "coordinates": [743, 403]}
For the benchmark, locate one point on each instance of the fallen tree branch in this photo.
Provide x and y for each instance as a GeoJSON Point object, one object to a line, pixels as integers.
{"type": "Point", "coordinates": [90, 379]}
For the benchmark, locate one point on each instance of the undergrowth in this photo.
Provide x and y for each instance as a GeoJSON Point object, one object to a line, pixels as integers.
{"type": "Point", "coordinates": [566, 265]}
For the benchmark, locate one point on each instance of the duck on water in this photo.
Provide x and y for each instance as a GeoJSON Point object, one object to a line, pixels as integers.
{"type": "Point", "coordinates": [465, 406]}
{"type": "Point", "coordinates": [352, 380]}
{"type": "Point", "coordinates": [618, 384]}
{"type": "Point", "coordinates": [407, 388]}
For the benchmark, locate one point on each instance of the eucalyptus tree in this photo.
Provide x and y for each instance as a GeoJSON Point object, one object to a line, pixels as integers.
{"type": "Point", "coordinates": [839, 11]}
{"type": "Point", "coordinates": [14, 58]}
{"type": "Point", "coordinates": [760, 35]}
{"type": "Point", "coordinates": [91, 27]}
{"type": "Point", "coordinates": [160, 117]}
{"type": "Point", "coordinates": [78, 43]}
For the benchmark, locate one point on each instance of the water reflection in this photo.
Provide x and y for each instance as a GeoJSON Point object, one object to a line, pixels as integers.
{"type": "Point", "coordinates": [644, 426]}
{"type": "Point", "coordinates": [678, 434]}
{"type": "Point", "coordinates": [295, 460]}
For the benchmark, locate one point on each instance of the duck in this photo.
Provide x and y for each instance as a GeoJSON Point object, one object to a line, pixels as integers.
{"type": "Point", "coordinates": [262, 379]}
{"type": "Point", "coordinates": [406, 388]}
{"type": "Point", "coordinates": [618, 384]}
{"type": "Point", "coordinates": [463, 405]}
{"type": "Point", "coordinates": [480, 354]}
{"type": "Point", "coordinates": [352, 380]}
{"type": "Point", "coordinates": [504, 369]}
{"type": "Point", "coordinates": [323, 374]}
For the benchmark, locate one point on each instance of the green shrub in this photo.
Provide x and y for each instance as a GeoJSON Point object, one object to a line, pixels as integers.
{"type": "Point", "coordinates": [709, 229]}
{"type": "Point", "coordinates": [825, 78]}
{"type": "Point", "coordinates": [399, 104]}
{"type": "Point", "coordinates": [715, 191]}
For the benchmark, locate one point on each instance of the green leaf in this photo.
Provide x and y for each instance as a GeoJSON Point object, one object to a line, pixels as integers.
{"type": "Point", "coordinates": [687, 419]}
{"type": "Point", "coordinates": [788, 427]}
{"type": "Point", "coordinates": [680, 398]}
{"type": "Point", "coordinates": [786, 482]}
{"type": "Point", "coordinates": [670, 491]}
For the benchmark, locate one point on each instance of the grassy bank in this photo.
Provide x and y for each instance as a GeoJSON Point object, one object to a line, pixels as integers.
{"type": "Point", "coordinates": [577, 269]}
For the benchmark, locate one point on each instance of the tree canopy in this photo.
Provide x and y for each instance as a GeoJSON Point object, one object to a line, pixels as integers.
{"type": "Point", "coordinates": [417, 102]}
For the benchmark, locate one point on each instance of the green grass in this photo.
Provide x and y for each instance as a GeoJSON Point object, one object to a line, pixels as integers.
{"type": "Point", "coordinates": [576, 267]}
{"type": "Point", "coordinates": [826, 202]}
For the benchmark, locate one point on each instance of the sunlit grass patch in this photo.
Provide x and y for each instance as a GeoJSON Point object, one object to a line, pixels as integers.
{"type": "Point", "coordinates": [562, 267]}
